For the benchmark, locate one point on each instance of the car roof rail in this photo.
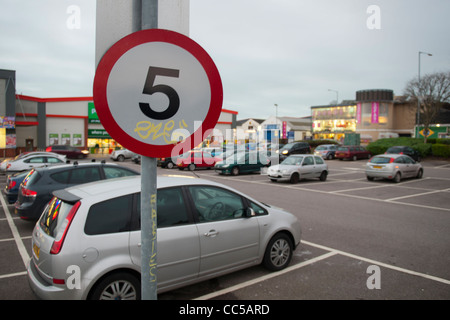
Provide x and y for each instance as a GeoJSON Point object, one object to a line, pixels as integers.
{"type": "Point", "coordinates": [75, 163]}
{"type": "Point", "coordinates": [103, 161]}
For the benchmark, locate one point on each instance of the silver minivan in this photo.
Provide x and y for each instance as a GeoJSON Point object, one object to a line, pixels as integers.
{"type": "Point", "coordinates": [86, 244]}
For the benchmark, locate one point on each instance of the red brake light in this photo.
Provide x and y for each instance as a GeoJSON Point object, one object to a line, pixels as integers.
{"type": "Point", "coordinates": [48, 149]}
{"type": "Point", "coordinates": [58, 243]}
{"type": "Point", "coordinates": [401, 152]}
{"type": "Point", "coordinates": [11, 184]}
{"type": "Point", "coordinates": [28, 193]}
{"type": "Point", "coordinates": [391, 160]}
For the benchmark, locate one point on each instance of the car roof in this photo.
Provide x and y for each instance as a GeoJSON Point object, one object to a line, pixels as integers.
{"type": "Point", "coordinates": [75, 165]}
{"type": "Point", "coordinates": [125, 185]}
{"type": "Point", "coordinates": [391, 155]}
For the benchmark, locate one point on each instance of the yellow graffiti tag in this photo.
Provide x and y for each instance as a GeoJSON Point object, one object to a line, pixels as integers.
{"type": "Point", "coordinates": [147, 129]}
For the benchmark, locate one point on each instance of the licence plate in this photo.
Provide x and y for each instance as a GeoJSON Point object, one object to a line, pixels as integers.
{"type": "Point", "coordinates": [377, 167]}
{"type": "Point", "coordinates": [36, 251]}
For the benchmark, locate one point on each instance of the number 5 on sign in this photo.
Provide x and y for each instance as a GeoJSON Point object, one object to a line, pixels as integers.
{"type": "Point", "coordinates": [149, 64]}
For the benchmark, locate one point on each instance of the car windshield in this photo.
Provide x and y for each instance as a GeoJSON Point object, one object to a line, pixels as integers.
{"type": "Point", "coordinates": [288, 146]}
{"type": "Point", "coordinates": [292, 161]}
{"type": "Point", "coordinates": [321, 148]}
{"type": "Point", "coordinates": [380, 160]}
{"type": "Point", "coordinates": [395, 150]}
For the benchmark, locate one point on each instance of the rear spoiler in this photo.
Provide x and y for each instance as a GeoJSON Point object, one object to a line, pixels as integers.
{"type": "Point", "coordinates": [66, 196]}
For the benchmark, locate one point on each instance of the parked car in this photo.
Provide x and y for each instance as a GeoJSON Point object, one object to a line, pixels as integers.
{"type": "Point", "coordinates": [12, 186]}
{"type": "Point", "coordinates": [205, 230]}
{"type": "Point", "coordinates": [352, 153]}
{"type": "Point", "coordinates": [136, 158]}
{"type": "Point", "coordinates": [5, 162]}
{"type": "Point", "coordinates": [326, 151]}
{"type": "Point", "coordinates": [242, 162]}
{"type": "Point", "coordinates": [37, 187]}
{"type": "Point", "coordinates": [196, 159]}
{"type": "Point", "coordinates": [69, 151]}
{"type": "Point", "coordinates": [394, 167]}
{"type": "Point", "coordinates": [34, 160]}
{"type": "Point", "coordinates": [121, 155]}
{"type": "Point", "coordinates": [294, 148]}
{"type": "Point", "coordinates": [297, 167]}
{"type": "Point", "coordinates": [167, 162]}
{"type": "Point", "coordinates": [405, 150]}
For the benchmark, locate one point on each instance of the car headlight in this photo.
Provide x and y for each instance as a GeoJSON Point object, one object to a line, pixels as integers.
{"type": "Point", "coordinates": [284, 152]}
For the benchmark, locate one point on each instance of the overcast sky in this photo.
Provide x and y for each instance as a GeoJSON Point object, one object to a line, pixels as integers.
{"type": "Point", "coordinates": [285, 52]}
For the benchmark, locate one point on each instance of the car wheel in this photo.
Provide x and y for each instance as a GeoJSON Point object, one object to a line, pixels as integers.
{"type": "Point", "coordinates": [419, 174]}
{"type": "Point", "coordinates": [323, 176]}
{"type": "Point", "coordinates": [397, 177]}
{"type": "Point", "coordinates": [295, 178]}
{"type": "Point", "coordinates": [191, 167]}
{"type": "Point", "coordinates": [235, 171]}
{"type": "Point", "coordinates": [170, 165]}
{"type": "Point", "coordinates": [118, 286]}
{"type": "Point", "coordinates": [120, 158]}
{"type": "Point", "coordinates": [355, 158]}
{"type": "Point", "coordinates": [330, 157]}
{"type": "Point", "coordinates": [278, 253]}
{"type": "Point", "coordinates": [370, 178]}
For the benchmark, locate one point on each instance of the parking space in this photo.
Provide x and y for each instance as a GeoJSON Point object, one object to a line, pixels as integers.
{"type": "Point", "coordinates": [321, 268]}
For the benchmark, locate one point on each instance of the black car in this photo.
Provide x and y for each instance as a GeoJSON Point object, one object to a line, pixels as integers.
{"type": "Point", "coordinates": [405, 150]}
{"type": "Point", "coordinates": [294, 148]}
{"type": "Point", "coordinates": [37, 187]}
{"type": "Point", "coordinates": [13, 184]}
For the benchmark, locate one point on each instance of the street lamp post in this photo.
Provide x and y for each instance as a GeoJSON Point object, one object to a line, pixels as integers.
{"type": "Point", "coordinates": [418, 90]}
{"type": "Point", "coordinates": [337, 95]}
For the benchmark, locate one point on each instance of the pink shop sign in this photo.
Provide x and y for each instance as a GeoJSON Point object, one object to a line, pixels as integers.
{"type": "Point", "coordinates": [375, 111]}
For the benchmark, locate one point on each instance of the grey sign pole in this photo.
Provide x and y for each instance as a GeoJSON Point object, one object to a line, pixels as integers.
{"type": "Point", "coordinates": [149, 20]}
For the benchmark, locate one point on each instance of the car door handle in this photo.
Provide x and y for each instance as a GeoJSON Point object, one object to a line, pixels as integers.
{"type": "Point", "coordinates": [211, 233]}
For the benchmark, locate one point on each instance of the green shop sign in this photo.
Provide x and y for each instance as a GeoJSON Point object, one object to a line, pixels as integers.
{"type": "Point", "coordinates": [92, 114]}
{"type": "Point", "coordinates": [98, 133]}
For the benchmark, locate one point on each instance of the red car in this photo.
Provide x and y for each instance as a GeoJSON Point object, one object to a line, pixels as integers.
{"type": "Point", "coordinates": [196, 159]}
{"type": "Point", "coordinates": [68, 151]}
{"type": "Point", "coordinates": [352, 152]}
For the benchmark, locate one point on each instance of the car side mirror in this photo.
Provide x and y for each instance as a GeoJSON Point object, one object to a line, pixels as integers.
{"type": "Point", "coordinates": [249, 212]}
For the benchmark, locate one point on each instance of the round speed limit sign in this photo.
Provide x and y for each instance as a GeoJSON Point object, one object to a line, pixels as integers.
{"type": "Point", "coordinates": [155, 89]}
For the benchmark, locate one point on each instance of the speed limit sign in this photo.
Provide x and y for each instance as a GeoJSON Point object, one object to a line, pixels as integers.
{"type": "Point", "coordinates": [155, 89]}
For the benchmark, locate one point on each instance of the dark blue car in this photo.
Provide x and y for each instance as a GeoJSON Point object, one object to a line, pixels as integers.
{"type": "Point", "coordinates": [13, 184]}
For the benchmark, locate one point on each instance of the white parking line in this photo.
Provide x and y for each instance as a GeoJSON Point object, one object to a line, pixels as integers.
{"type": "Point", "coordinates": [263, 278]}
{"type": "Point", "coordinates": [20, 246]}
{"type": "Point", "coordinates": [332, 252]}
{"type": "Point", "coordinates": [417, 195]}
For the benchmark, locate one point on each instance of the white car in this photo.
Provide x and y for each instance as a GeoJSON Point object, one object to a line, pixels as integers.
{"type": "Point", "coordinates": [205, 230]}
{"type": "Point", "coordinates": [23, 155]}
{"type": "Point", "coordinates": [297, 167]}
{"type": "Point", "coordinates": [121, 155]}
{"type": "Point", "coordinates": [34, 160]}
{"type": "Point", "coordinates": [394, 167]}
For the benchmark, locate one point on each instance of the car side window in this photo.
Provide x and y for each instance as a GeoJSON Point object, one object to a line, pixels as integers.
{"type": "Point", "coordinates": [35, 160]}
{"type": "Point", "coordinates": [53, 160]}
{"type": "Point", "coordinates": [61, 177]}
{"type": "Point", "coordinates": [399, 160]}
{"type": "Point", "coordinates": [110, 216]}
{"type": "Point", "coordinates": [308, 161]}
{"type": "Point", "coordinates": [216, 204]}
{"type": "Point", "coordinates": [319, 160]}
{"type": "Point", "coordinates": [111, 173]}
{"type": "Point", "coordinates": [258, 209]}
{"type": "Point", "coordinates": [84, 175]}
{"type": "Point", "coordinates": [171, 208]}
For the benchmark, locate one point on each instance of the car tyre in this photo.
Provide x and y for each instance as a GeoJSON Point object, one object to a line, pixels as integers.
{"type": "Point", "coordinates": [118, 286]}
{"type": "Point", "coordinates": [397, 177]}
{"type": "Point", "coordinates": [323, 176]}
{"type": "Point", "coordinates": [170, 165]}
{"type": "Point", "coordinates": [120, 158]}
{"type": "Point", "coordinates": [278, 253]}
{"type": "Point", "coordinates": [370, 178]}
{"type": "Point", "coordinates": [295, 178]}
{"type": "Point", "coordinates": [235, 171]}
{"type": "Point", "coordinates": [191, 167]}
{"type": "Point", "coordinates": [419, 174]}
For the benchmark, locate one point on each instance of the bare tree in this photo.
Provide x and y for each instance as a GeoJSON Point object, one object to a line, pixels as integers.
{"type": "Point", "coordinates": [432, 93]}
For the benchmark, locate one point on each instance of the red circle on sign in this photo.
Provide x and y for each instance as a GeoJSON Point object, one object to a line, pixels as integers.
{"type": "Point", "coordinates": [120, 48]}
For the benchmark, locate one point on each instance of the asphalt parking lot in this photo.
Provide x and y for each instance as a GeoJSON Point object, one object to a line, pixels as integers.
{"type": "Point", "coordinates": [361, 239]}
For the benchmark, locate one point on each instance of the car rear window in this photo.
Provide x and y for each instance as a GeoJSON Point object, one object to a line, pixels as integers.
{"type": "Point", "coordinates": [380, 160]}
{"type": "Point", "coordinates": [343, 148]}
{"type": "Point", "coordinates": [53, 217]}
{"type": "Point", "coordinates": [32, 177]}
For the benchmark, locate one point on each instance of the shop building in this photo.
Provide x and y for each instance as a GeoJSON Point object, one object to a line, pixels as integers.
{"type": "Point", "coordinates": [375, 114]}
